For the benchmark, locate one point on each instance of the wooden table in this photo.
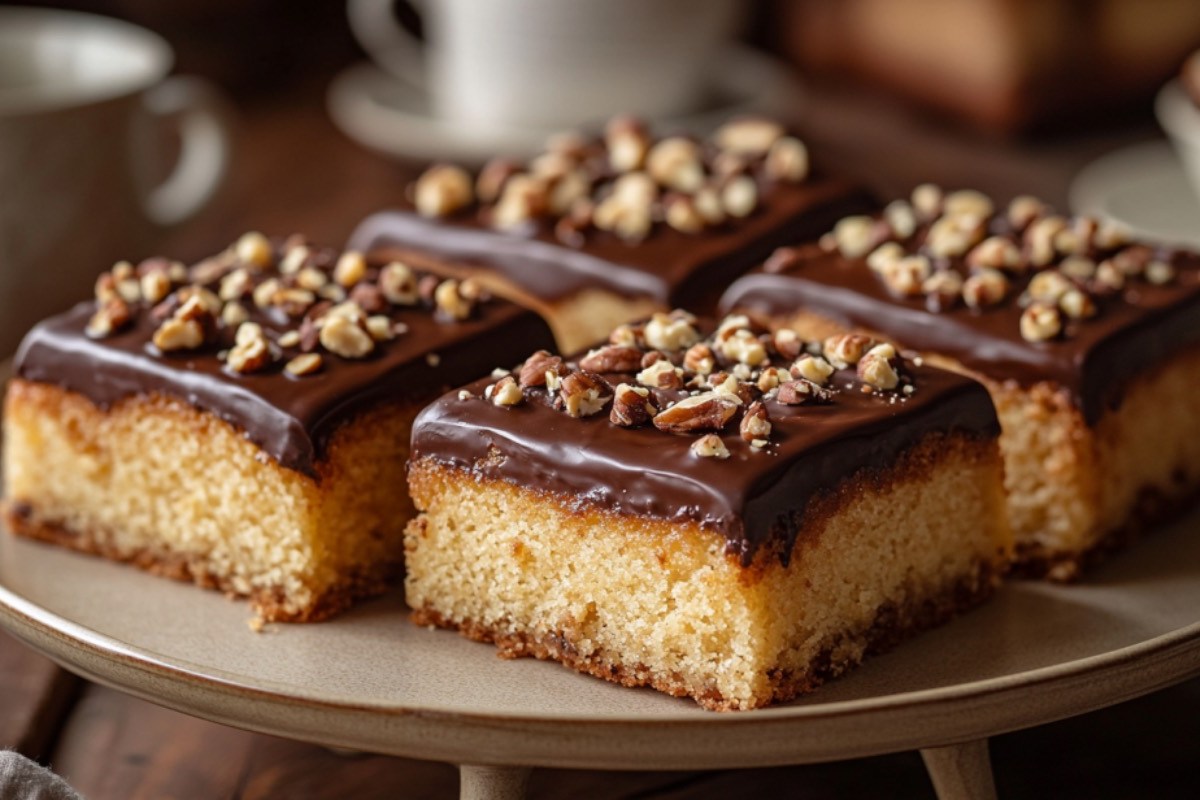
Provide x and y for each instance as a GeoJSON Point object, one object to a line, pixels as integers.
{"type": "Point", "coordinates": [295, 172]}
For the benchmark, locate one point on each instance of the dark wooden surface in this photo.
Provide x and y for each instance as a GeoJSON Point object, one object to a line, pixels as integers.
{"type": "Point", "coordinates": [295, 172]}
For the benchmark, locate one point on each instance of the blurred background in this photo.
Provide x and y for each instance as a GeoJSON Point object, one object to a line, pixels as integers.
{"type": "Point", "coordinates": [310, 116]}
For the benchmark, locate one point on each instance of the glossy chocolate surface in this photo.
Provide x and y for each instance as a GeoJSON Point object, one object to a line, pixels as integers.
{"type": "Point", "coordinates": [756, 498]}
{"type": "Point", "coordinates": [1133, 331]}
{"type": "Point", "coordinates": [668, 266]}
{"type": "Point", "coordinates": [290, 418]}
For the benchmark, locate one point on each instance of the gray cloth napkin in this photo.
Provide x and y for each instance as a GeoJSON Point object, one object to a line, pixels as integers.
{"type": "Point", "coordinates": [22, 779]}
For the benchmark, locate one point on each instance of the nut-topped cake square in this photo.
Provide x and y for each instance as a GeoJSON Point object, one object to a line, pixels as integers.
{"type": "Point", "coordinates": [599, 231]}
{"type": "Point", "coordinates": [244, 422]}
{"type": "Point", "coordinates": [1089, 343]}
{"type": "Point", "coordinates": [712, 511]}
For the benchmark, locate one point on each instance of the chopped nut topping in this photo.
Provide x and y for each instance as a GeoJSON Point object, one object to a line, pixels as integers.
{"type": "Point", "coordinates": [661, 375]}
{"type": "Point", "coordinates": [943, 289]}
{"type": "Point", "coordinates": [675, 163]}
{"type": "Point", "coordinates": [612, 358]}
{"type": "Point", "coordinates": [1077, 268]}
{"type": "Point", "coordinates": [1077, 304]}
{"type": "Point", "coordinates": [1040, 322]}
{"type": "Point", "coordinates": [1023, 210]}
{"type": "Point", "coordinates": [884, 256]}
{"type": "Point", "coordinates": [441, 190]}
{"type": "Point", "coordinates": [901, 218]}
{"type": "Point", "coordinates": [631, 406]}
{"type": "Point", "coordinates": [787, 160]}
{"type": "Point", "coordinates": [628, 142]}
{"type": "Point", "coordinates": [985, 288]}
{"type": "Point", "coordinates": [179, 334]}
{"type": "Point", "coordinates": [812, 368]}
{"type": "Point", "coordinates": [681, 214]}
{"type": "Point", "coordinates": [345, 336]}
{"type": "Point", "coordinates": [351, 268]}
{"type": "Point", "coordinates": [399, 284]}
{"type": "Point", "coordinates": [739, 196]}
{"type": "Point", "coordinates": [155, 286]}
{"type": "Point", "coordinates": [669, 332]}
{"type": "Point", "coordinates": [305, 364]}
{"type": "Point", "coordinates": [450, 301]}
{"type": "Point", "coordinates": [112, 315]}
{"type": "Point", "coordinates": [756, 423]}
{"type": "Point", "coordinates": [699, 359]}
{"type": "Point", "coordinates": [854, 236]}
{"type": "Point", "coordinates": [845, 349]}
{"type": "Point", "coordinates": [787, 343]}
{"type": "Point", "coordinates": [252, 351]}
{"type": "Point", "coordinates": [583, 394]}
{"type": "Point", "coordinates": [744, 347]}
{"type": "Point", "coordinates": [1048, 287]}
{"type": "Point", "coordinates": [802, 392]}
{"type": "Point", "coordinates": [710, 446]}
{"type": "Point", "coordinates": [996, 252]}
{"type": "Point", "coordinates": [234, 314]}
{"type": "Point", "coordinates": [877, 367]}
{"type": "Point", "coordinates": [294, 260]}
{"type": "Point", "coordinates": [708, 411]}
{"type": "Point", "coordinates": [752, 136]}
{"type": "Point", "coordinates": [254, 250]}
{"type": "Point", "coordinates": [505, 392]}
{"type": "Point", "coordinates": [535, 369]}
{"type": "Point", "coordinates": [927, 201]}
{"type": "Point", "coordinates": [905, 277]}
{"type": "Point", "coordinates": [380, 328]}
{"type": "Point", "coordinates": [967, 201]}
{"type": "Point", "coordinates": [1159, 273]}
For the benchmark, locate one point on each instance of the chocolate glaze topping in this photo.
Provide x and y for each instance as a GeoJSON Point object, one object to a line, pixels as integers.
{"type": "Point", "coordinates": [290, 418]}
{"type": "Point", "coordinates": [755, 497]}
{"type": "Point", "coordinates": [671, 219]}
{"type": "Point", "coordinates": [1093, 359]}
{"type": "Point", "coordinates": [671, 267]}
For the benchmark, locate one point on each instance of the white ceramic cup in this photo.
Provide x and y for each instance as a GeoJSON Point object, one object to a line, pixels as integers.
{"type": "Point", "coordinates": [83, 100]}
{"type": "Point", "coordinates": [1179, 116]}
{"type": "Point", "coordinates": [550, 63]}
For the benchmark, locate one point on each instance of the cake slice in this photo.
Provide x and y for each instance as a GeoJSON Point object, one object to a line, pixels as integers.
{"type": "Point", "coordinates": [1088, 342]}
{"type": "Point", "coordinates": [730, 517]}
{"type": "Point", "coordinates": [244, 423]}
{"type": "Point", "coordinates": [593, 233]}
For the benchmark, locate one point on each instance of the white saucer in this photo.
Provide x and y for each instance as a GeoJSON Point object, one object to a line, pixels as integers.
{"type": "Point", "coordinates": [394, 118]}
{"type": "Point", "coordinates": [1144, 187]}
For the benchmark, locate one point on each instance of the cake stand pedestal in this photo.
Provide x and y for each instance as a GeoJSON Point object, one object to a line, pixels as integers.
{"type": "Point", "coordinates": [373, 682]}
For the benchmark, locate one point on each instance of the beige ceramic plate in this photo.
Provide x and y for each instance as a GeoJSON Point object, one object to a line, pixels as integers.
{"type": "Point", "coordinates": [372, 681]}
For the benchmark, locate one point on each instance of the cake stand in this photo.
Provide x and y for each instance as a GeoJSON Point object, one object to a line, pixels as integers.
{"type": "Point", "coordinates": [372, 681]}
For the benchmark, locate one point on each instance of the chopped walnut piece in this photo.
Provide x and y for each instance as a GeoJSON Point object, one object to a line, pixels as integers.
{"type": "Point", "coordinates": [1077, 304]}
{"type": "Point", "coordinates": [985, 288]}
{"type": "Point", "coordinates": [1160, 273]}
{"type": "Point", "coordinates": [751, 136]}
{"type": "Point", "coordinates": [583, 394]}
{"type": "Point", "coordinates": [450, 301]}
{"type": "Point", "coordinates": [155, 286]}
{"type": "Point", "coordinates": [845, 349]}
{"type": "Point", "coordinates": [235, 284]}
{"type": "Point", "coordinates": [305, 364]}
{"type": "Point", "coordinates": [111, 316]}
{"type": "Point", "coordinates": [996, 252]}
{"type": "Point", "coordinates": [675, 163]}
{"type": "Point", "coordinates": [1040, 322]}
{"type": "Point", "coordinates": [254, 250]}
{"type": "Point", "coordinates": [878, 367]}
{"type": "Point", "coordinates": [533, 371]}
{"type": "Point", "coordinates": [967, 201]}
{"type": "Point", "coordinates": [398, 283]}
{"type": "Point", "coordinates": [612, 358]}
{"type": "Point", "coordinates": [671, 331]}
{"type": "Point", "coordinates": [708, 411]}
{"type": "Point", "coordinates": [1023, 210]}
{"type": "Point", "coordinates": [627, 141]}
{"type": "Point", "coordinates": [681, 214]}
{"type": "Point", "coordinates": [812, 368]}
{"type": "Point", "coordinates": [756, 423]}
{"type": "Point", "coordinates": [787, 343]}
{"type": "Point", "coordinates": [350, 269]}
{"type": "Point", "coordinates": [631, 406]}
{"type": "Point", "coordinates": [179, 334]}
{"type": "Point", "coordinates": [525, 197]}
{"type": "Point", "coordinates": [1049, 286]}
{"type": "Point", "coordinates": [770, 378]}
{"type": "Point", "coordinates": [441, 190]}
{"type": "Point", "coordinates": [699, 359]}
{"type": "Point", "coordinates": [901, 218]}
{"type": "Point", "coordinates": [906, 276]}
{"type": "Point", "coordinates": [787, 160]}
{"type": "Point", "coordinates": [251, 351]}
{"type": "Point", "coordinates": [234, 314]}
{"type": "Point", "coordinates": [927, 201]}
{"type": "Point", "coordinates": [854, 236]}
{"type": "Point", "coordinates": [344, 336]}
{"type": "Point", "coordinates": [661, 375]}
{"type": "Point", "coordinates": [495, 173]}
{"type": "Point", "coordinates": [710, 446]}
{"type": "Point", "coordinates": [802, 392]}
{"type": "Point", "coordinates": [739, 196]}
{"type": "Point", "coordinates": [884, 256]}
{"type": "Point", "coordinates": [505, 392]}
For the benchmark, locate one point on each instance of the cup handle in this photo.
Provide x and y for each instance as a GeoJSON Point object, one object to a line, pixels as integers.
{"type": "Point", "coordinates": [388, 44]}
{"type": "Point", "coordinates": [204, 119]}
